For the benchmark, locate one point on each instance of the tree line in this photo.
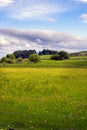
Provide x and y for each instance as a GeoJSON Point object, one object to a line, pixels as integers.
{"type": "Point", "coordinates": [26, 53]}
{"type": "Point", "coordinates": [33, 56]}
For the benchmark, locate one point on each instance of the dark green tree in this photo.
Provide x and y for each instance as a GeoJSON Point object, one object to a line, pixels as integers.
{"type": "Point", "coordinates": [24, 53]}
{"type": "Point", "coordinates": [63, 54]}
{"type": "Point", "coordinates": [47, 52]}
{"type": "Point", "coordinates": [56, 57]}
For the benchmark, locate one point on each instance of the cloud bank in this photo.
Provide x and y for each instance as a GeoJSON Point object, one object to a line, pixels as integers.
{"type": "Point", "coordinates": [14, 39]}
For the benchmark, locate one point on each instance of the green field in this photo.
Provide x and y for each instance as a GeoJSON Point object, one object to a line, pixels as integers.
{"type": "Point", "coordinates": [74, 62]}
{"type": "Point", "coordinates": [44, 98]}
{"type": "Point", "coordinates": [45, 57]}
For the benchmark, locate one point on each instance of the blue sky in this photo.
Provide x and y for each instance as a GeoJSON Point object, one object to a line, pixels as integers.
{"type": "Point", "coordinates": [63, 17]}
{"type": "Point", "coordinates": [59, 15]}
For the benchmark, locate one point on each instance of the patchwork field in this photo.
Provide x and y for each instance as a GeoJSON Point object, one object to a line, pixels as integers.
{"type": "Point", "coordinates": [43, 99]}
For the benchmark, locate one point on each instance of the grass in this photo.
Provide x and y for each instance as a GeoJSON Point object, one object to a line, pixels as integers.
{"type": "Point", "coordinates": [79, 57]}
{"type": "Point", "coordinates": [45, 57]}
{"type": "Point", "coordinates": [71, 63]}
{"type": "Point", "coordinates": [43, 98]}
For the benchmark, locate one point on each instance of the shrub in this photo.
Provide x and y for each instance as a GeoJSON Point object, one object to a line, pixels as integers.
{"type": "Point", "coordinates": [19, 60]}
{"type": "Point", "coordinates": [3, 59]}
{"type": "Point", "coordinates": [10, 58]}
{"type": "Point", "coordinates": [34, 58]}
{"type": "Point", "coordinates": [7, 60]}
{"type": "Point", "coordinates": [55, 57]}
{"type": "Point", "coordinates": [10, 61]}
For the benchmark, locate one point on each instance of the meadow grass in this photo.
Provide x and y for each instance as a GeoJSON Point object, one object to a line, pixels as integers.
{"type": "Point", "coordinates": [45, 57]}
{"type": "Point", "coordinates": [73, 62]}
{"type": "Point", "coordinates": [43, 98]}
{"type": "Point", "coordinates": [79, 57]}
{"type": "Point", "coordinates": [70, 63]}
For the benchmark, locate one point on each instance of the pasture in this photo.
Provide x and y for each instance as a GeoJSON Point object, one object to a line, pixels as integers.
{"type": "Point", "coordinates": [74, 62]}
{"type": "Point", "coordinates": [43, 98]}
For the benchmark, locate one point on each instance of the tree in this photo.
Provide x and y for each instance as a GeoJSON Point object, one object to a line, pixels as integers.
{"type": "Point", "coordinates": [11, 56]}
{"type": "Point", "coordinates": [63, 54]}
{"type": "Point", "coordinates": [47, 52]}
{"type": "Point", "coordinates": [56, 57]}
{"type": "Point", "coordinates": [24, 53]}
{"type": "Point", "coordinates": [34, 58]}
{"type": "Point", "coordinates": [60, 56]}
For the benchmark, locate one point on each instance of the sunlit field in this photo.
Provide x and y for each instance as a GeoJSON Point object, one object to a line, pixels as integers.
{"type": "Point", "coordinates": [43, 64]}
{"type": "Point", "coordinates": [71, 63]}
{"type": "Point", "coordinates": [43, 99]}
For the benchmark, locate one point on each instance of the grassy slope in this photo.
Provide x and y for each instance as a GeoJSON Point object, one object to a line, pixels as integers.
{"type": "Point", "coordinates": [71, 63]}
{"type": "Point", "coordinates": [43, 99]}
{"type": "Point", "coordinates": [45, 57]}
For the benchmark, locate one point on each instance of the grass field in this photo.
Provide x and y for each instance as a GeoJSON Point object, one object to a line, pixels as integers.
{"type": "Point", "coordinates": [71, 63]}
{"type": "Point", "coordinates": [45, 57]}
{"type": "Point", "coordinates": [43, 98]}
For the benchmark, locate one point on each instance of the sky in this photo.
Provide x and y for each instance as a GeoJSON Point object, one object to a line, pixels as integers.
{"type": "Point", "coordinates": [43, 24]}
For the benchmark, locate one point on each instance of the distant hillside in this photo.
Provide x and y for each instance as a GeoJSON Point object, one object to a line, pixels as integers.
{"type": "Point", "coordinates": [81, 53]}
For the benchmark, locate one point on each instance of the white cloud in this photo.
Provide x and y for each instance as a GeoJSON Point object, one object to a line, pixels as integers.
{"type": "Point", "coordinates": [81, 1]}
{"type": "Point", "coordinates": [4, 3]}
{"type": "Point", "coordinates": [84, 17]}
{"type": "Point", "coordinates": [22, 9]}
{"type": "Point", "coordinates": [13, 39]}
{"type": "Point", "coordinates": [3, 41]}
